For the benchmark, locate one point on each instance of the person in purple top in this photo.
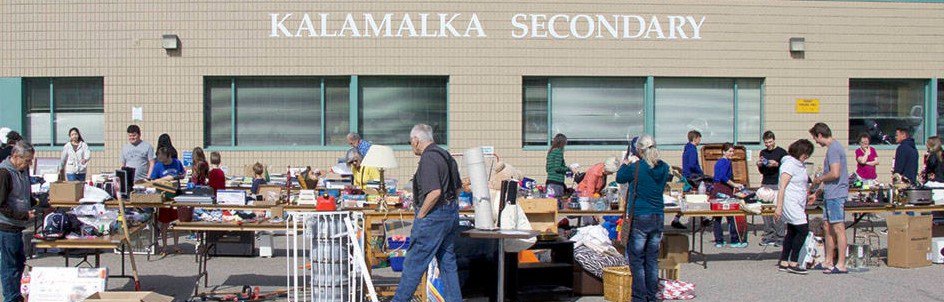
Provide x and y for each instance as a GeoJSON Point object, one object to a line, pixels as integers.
{"type": "Point", "coordinates": [866, 159]}
{"type": "Point", "coordinates": [724, 184]}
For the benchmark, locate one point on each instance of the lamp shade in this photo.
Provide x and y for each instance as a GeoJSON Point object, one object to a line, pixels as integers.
{"type": "Point", "coordinates": [380, 157]}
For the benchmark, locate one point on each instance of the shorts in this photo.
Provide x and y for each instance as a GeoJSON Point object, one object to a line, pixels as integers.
{"type": "Point", "coordinates": [835, 212]}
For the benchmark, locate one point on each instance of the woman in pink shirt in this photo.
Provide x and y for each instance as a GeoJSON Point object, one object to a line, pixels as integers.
{"type": "Point", "coordinates": [866, 159]}
{"type": "Point", "coordinates": [595, 179]}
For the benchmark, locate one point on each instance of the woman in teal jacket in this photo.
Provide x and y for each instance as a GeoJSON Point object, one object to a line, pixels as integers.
{"type": "Point", "coordinates": [647, 177]}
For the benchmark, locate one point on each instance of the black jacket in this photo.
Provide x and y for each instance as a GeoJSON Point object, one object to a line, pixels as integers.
{"type": "Point", "coordinates": [906, 160]}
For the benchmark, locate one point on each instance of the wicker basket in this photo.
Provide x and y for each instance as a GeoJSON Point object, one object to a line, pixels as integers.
{"type": "Point", "coordinates": [617, 284]}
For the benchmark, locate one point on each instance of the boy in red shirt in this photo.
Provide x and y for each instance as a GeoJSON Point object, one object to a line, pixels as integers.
{"type": "Point", "coordinates": [217, 179]}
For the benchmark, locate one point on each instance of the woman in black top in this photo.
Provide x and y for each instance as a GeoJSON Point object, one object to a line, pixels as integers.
{"type": "Point", "coordinates": [164, 141]}
{"type": "Point", "coordinates": [933, 161]}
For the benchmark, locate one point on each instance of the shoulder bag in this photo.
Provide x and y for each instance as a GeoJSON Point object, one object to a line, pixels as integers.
{"type": "Point", "coordinates": [626, 227]}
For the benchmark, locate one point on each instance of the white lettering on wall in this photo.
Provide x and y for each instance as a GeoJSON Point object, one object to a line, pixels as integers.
{"type": "Point", "coordinates": [370, 24]}
{"type": "Point", "coordinates": [465, 25]}
{"type": "Point", "coordinates": [618, 27]}
{"type": "Point", "coordinates": [514, 22]}
{"type": "Point", "coordinates": [476, 25]}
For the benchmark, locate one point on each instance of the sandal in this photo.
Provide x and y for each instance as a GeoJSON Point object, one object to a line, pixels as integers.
{"type": "Point", "coordinates": [820, 267]}
{"type": "Point", "coordinates": [835, 271]}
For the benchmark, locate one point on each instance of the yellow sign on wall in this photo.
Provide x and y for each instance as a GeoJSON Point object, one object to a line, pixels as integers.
{"type": "Point", "coordinates": [807, 106]}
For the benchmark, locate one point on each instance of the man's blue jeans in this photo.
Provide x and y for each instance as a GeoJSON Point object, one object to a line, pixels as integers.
{"type": "Point", "coordinates": [432, 236]}
{"type": "Point", "coordinates": [643, 253]}
{"type": "Point", "coordinates": [12, 262]}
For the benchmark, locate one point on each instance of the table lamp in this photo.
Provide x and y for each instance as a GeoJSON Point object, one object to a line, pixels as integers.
{"type": "Point", "coordinates": [382, 158]}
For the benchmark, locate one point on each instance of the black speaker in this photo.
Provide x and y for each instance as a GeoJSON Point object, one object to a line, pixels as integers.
{"type": "Point", "coordinates": [125, 181]}
{"type": "Point", "coordinates": [509, 191]}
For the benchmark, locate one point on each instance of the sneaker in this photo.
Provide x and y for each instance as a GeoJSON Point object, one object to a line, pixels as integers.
{"type": "Point", "coordinates": [768, 243]}
{"type": "Point", "coordinates": [678, 225]}
{"type": "Point", "coordinates": [884, 232]}
{"type": "Point", "coordinates": [797, 270]}
{"type": "Point", "coordinates": [782, 268]}
{"type": "Point", "coordinates": [719, 245]}
{"type": "Point", "coordinates": [740, 245]}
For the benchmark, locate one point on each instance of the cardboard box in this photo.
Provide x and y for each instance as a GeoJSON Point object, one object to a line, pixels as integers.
{"type": "Point", "coordinates": [146, 198]}
{"type": "Point", "coordinates": [129, 297]}
{"type": "Point", "coordinates": [66, 191]}
{"type": "Point", "coordinates": [909, 241]}
{"type": "Point", "coordinates": [277, 211]}
{"type": "Point", "coordinates": [271, 195]}
{"type": "Point", "coordinates": [541, 212]}
{"type": "Point", "coordinates": [674, 248]}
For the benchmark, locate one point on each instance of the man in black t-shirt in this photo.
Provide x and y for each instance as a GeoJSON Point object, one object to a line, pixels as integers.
{"type": "Point", "coordinates": [436, 226]}
{"type": "Point", "coordinates": [769, 166]}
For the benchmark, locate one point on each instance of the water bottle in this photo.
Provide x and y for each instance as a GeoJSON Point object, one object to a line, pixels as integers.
{"type": "Point", "coordinates": [701, 188]}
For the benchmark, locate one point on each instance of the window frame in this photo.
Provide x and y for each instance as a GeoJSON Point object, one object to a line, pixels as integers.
{"type": "Point", "coordinates": [353, 112]}
{"type": "Point", "coordinates": [930, 112]}
{"type": "Point", "coordinates": [356, 99]}
{"type": "Point", "coordinates": [233, 80]}
{"type": "Point", "coordinates": [25, 111]}
{"type": "Point", "coordinates": [649, 104]}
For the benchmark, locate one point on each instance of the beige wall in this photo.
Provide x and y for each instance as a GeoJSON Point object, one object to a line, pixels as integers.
{"type": "Point", "coordinates": [121, 42]}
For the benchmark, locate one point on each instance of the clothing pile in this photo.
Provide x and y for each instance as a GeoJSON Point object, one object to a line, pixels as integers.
{"type": "Point", "coordinates": [593, 250]}
{"type": "Point", "coordinates": [223, 216]}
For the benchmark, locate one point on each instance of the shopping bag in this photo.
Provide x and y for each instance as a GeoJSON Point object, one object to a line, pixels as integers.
{"type": "Point", "coordinates": [434, 285]}
{"type": "Point", "coordinates": [808, 252]}
{"type": "Point", "coordinates": [675, 290]}
{"type": "Point", "coordinates": [741, 223]}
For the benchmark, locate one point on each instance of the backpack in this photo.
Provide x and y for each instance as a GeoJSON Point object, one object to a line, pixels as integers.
{"type": "Point", "coordinates": [57, 225]}
{"type": "Point", "coordinates": [579, 176]}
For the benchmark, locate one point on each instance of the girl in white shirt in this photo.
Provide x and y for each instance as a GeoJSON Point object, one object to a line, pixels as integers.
{"type": "Point", "coordinates": [75, 157]}
{"type": "Point", "coordinates": [791, 204]}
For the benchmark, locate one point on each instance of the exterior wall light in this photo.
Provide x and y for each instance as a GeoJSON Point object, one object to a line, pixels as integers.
{"type": "Point", "coordinates": [797, 45]}
{"type": "Point", "coordinates": [170, 42]}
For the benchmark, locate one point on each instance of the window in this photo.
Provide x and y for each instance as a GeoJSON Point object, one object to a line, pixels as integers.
{"type": "Point", "coordinates": [940, 107]}
{"type": "Point", "coordinates": [391, 106]}
{"type": "Point", "coordinates": [590, 111]}
{"type": "Point", "coordinates": [55, 105]}
{"type": "Point", "coordinates": [276, 111]}
{"type": "Point", "coordinates": [878, 107]}
{"type": "Point", "coordinates": [723, 110]}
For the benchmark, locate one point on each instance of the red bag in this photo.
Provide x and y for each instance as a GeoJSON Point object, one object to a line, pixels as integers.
{"type": "Point", "coordinates": [326, 203]}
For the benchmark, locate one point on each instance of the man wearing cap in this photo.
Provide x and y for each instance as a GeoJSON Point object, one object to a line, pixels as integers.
{"type": "Point", "coordinates": [15, 214]}
{"type": "Point", "coordinates": [595, 177]}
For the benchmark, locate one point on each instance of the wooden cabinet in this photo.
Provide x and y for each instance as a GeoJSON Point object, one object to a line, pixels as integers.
{"type": "Point", "coordinates": [711, 153]}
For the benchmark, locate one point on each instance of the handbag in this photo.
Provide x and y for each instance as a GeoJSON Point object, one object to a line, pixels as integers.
{"type": "Point", "coordinates": [627, 226]}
